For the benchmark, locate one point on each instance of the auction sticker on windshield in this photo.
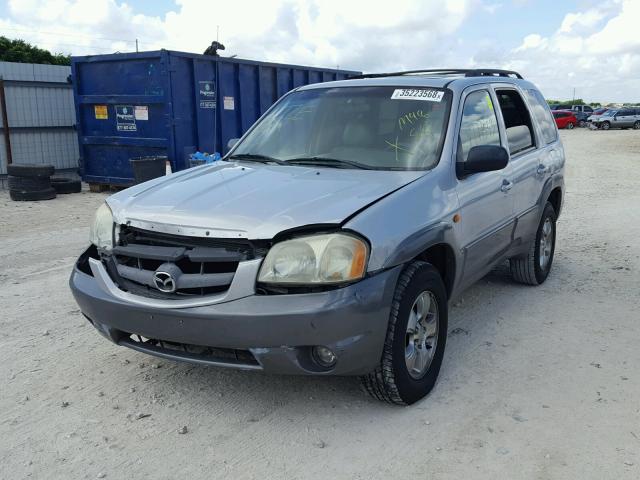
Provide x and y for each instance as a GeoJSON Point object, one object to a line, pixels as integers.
{"type": "Point", "coordinates": [417, 94]}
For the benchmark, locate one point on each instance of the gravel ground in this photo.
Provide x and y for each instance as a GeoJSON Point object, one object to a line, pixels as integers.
{"type": "Point", "coordinates": [537, 383]}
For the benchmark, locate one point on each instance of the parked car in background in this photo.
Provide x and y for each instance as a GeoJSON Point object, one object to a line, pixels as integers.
{"type": "Point", "coordinates": [628, 117]}
{"type": "Point", "coordinates": [555, 106]}
{"type": "Point", "coordinates": [597, 113]}
{"type": "Point", "coordinates": [582, 118]}
{"type": "Point", "coordinates": [565, 119]}
{"type": "Point", "coordinates": [582, 108]}
{"type": "Point", "coordinates": [332, 237]}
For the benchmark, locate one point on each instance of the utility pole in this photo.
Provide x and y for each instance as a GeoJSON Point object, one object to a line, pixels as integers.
{"type": "Point", "coordinates": [136, 45]}
{"type": "Point", "coordinates": [574, 96]}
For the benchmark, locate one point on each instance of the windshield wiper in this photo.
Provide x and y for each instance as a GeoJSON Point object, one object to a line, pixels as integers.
{"type": "Point", "coordinates": [255, 157]}
{"type": "Point", "coordinates": [329, 162]}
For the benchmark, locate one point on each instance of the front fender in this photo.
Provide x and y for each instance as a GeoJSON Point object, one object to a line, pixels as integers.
{"type": "Point", "coordinates": [403, 225]}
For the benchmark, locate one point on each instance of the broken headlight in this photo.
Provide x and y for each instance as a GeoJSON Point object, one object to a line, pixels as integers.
{"type": "Point", "coordinates": [101, 232]}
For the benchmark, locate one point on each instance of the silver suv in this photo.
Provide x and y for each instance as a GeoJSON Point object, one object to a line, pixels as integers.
{"type": "Point", "coordinates": [627, 117]}
{"type": "Point", "coordinates": [333, 236]}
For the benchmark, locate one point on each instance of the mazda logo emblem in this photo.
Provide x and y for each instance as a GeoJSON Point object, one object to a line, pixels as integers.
{"type": "Point", "coordinates": [164, 282]}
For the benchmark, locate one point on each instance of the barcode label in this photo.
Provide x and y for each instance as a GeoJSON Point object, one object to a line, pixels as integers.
{"type": "Point", "coordinates": [417, 94]}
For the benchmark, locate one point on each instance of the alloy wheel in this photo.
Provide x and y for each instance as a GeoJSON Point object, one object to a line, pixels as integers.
{"type": "Point", "coordinates": [546, 244]}
{"type": "Point", "coordinates": [421, 338]}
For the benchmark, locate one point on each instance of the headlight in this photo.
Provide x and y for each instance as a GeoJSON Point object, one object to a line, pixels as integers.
{"type": "Point", "coordinates": [318, 259]}
{"type": "Point", "coordinates": [101, 232]}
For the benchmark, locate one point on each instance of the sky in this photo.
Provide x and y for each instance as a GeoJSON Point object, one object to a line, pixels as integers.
{"type": "Point", "coordinates": [560, 45]}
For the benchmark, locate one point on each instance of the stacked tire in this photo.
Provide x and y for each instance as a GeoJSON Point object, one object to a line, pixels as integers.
{"type": "Point", "coordinates": [66, 185]}
{"type": "Point", "coordinates": [33, 182]}
{"type": "Point", "coordinates": [30, 182]}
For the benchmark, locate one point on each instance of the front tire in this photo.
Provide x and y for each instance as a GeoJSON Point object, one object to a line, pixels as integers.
{"type": "Point", "coordinates": [636, 126]}
{"type": "Point", "coordinates": [570, 126]}
{"type": "Point", "coordinates": [605, 126]}
{"type": "Point", "coordinates": [416, 338]}
{"type": "Point", "coordinates": [534, 268]}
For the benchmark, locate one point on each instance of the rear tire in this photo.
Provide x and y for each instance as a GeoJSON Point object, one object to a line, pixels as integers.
{"type": "Point", "coordinates": [636, 126]}
{"type": "Point", "coordinates": [415, 340]}
{"type": "Point", "coordinates": [570, 126]}
{"type": "Point", "coordinates": [534, 268]}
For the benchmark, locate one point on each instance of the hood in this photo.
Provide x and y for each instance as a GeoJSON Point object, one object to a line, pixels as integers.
{"type": "Point", "coordinates": [250, 200]}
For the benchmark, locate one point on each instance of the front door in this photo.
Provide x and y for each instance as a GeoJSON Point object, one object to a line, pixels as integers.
{"type": "Point", "coordinates": [623, 119]}
{"type": "Point", "coordinates": [486, 203]}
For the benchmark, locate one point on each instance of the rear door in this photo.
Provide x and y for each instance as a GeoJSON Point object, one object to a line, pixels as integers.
{"type": "Point", "coordinates": [527, 151]}
{"type": "Point", "coordinates": [486, 202]}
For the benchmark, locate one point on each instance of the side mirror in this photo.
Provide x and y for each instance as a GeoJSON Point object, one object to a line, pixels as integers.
{"type": "Point", "coordinates": [232, 142]}
{"type": "Point", "coordinates": [483, 158]}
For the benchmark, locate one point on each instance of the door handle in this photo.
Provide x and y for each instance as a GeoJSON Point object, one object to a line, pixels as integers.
{"type": "Point", "coordinates": [506, 186]}
{"type": "Point", "coordinates": [541, 170]}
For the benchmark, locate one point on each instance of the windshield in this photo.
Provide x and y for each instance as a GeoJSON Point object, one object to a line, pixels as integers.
{"type": "Point", "coordinates": [609, 113]}
{"type": "Point", "coordinates": [353, 127]}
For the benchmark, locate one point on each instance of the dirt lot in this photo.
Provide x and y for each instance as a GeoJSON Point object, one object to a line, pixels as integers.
{"type": "Point", "coordinates": [537, 383]}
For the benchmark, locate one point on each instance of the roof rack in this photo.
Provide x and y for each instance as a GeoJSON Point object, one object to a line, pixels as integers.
{"type": "Point", "coordinates": [473, 72]}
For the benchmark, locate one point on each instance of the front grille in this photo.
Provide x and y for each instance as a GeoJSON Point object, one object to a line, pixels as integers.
{"type": "Point", "coordinates": [194, 266]}
{"type": "Point", "coordinates": [190, 352]}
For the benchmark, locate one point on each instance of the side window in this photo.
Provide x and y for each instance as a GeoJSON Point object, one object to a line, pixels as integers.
{"type": "Point", "coordinates": [479, 124]}
{"type": "Point", "coordinates": [516, 121]}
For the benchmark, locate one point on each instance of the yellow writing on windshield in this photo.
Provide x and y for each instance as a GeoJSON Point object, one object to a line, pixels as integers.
{"type": "Point", "coordinates": [411, 118]}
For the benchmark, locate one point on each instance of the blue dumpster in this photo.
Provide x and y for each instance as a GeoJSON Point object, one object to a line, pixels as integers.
{"type": "Point", "coordinates": [167, 103]}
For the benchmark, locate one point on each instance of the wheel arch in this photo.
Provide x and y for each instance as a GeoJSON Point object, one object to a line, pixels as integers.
{"type": "Point", "coordinates": [555, 198]}
{"type": "Point", "coordinates": [434, 244]}
{"type": "Point", "coordinates": [553, 191]}
{"type": "Point", "coordinates": [442, 257]}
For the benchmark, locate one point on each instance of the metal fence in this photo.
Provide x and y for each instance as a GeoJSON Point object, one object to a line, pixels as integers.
{"type": "Point", "coordinates": [39, 114]}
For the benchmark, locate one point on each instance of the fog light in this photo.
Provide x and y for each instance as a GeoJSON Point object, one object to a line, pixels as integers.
{"type": "Point", "coordinates": [324, 356]}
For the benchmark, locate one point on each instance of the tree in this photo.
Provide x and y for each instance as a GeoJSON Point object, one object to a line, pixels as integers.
{"type": "Point", "coordinates": [22, 52]}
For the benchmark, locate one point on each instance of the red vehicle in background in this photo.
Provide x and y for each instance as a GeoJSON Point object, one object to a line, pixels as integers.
{"type": "Point", "coordinates": [565, 119]}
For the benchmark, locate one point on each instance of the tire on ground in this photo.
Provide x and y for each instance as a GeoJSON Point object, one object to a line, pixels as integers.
{"type": "Point", "coordinates": [390, 381]}
{"type": "Point", "coordinates": [30, 170]}
{"type": "Point", "coordinates": [21, 196]}
{"type": "Point", "coordinates": [66, 185]}
{"type": "Point", "coordinates": [28, 184]}
{"type": "Point", "coordinates": [526, 269]}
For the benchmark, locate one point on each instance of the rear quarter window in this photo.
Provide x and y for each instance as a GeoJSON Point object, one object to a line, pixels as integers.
{"type": "Point", "coordinates": [542, 115]}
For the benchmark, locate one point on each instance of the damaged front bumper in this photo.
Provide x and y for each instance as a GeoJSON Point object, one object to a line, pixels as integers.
{"type": "Point", "coordinates": [273, 333]}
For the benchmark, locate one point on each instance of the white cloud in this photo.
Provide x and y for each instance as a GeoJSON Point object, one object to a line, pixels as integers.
{"type": "Point", "coordinates": [531, 41]}
{"type": "Point", "coordinates": [574, 21]}
{"type": "Point", "coordinates": [491, 7]}
{"type": "Point", "coordinates": [591, 49]}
